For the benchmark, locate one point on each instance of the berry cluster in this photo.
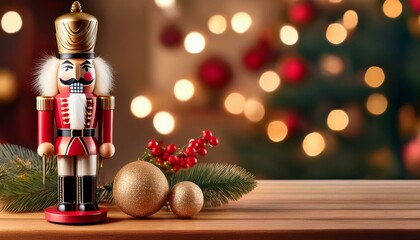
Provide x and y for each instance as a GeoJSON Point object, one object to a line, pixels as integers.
{"type": "Point", "coordinates": [171, 159]}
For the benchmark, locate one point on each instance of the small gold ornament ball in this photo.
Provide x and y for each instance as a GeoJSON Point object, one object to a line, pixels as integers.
{"type": "Point", "coordinates": [140, 189]}
{"type": "Point", "coordinates": [186, 199]}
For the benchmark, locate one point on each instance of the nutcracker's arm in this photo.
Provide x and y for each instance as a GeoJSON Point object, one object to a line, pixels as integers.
{"type": "Point", "coordinates": [45, 108]}
{"type": "Point", "coordinates": [106, 108]}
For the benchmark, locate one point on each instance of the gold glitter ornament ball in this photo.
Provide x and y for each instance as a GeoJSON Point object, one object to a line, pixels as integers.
{"type": "Point", "coordinates": [140, 189]}
{"type": "Point", "coordinates": [186, 199]}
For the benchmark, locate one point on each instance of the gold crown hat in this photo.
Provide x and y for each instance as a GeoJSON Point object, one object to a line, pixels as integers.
{"type": "Point", "coordinates": [76, 33]}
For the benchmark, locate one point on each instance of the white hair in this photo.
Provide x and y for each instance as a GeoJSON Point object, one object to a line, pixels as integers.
{"type": "Point", "coordinates": [46, 77]}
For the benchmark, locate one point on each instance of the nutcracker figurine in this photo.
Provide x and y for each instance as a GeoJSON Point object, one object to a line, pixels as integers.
{"type": "Point", "coordinates": [75, 93]}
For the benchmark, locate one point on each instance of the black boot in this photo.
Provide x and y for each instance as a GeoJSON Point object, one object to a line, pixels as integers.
{"type": "Point", "coordinates": [87, 193]}
{"type": "Point", "coordinates": [66, 193]}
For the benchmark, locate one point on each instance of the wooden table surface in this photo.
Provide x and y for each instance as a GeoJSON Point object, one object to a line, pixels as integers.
{"type": "Point", "coordinates": [276, 209]}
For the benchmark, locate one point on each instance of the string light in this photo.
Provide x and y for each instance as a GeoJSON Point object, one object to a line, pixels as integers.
{"type": "Point", "coordinates": [217, 24]}
{"type": "Point", "coordinates": [313, 144]}
{"type": "Point", "coordinates": [11, 22]}
{"type": "Point", "coordinates": [194, 42]}
{"type": "Point", "coordinates": [392, 8]}
{"type": "Point", "coordinates": [241, 22]}
{"type": "Point", "coordinates": [165, 3]}
{"type": "Point", "coordinates": [336, 33]}
{"type": "Point", "coordinates": [269, 81]}
{"type": "Point", "coordinates": [254, 110]}
{"type": "Point", "coordinates": [337, 120]}
{"type": "Point", "coordinates": [8, 86]}
{"type": "Point", "coordinates": [235, 103]}
{"type": "Point", "coordinates": [350, 19]}
{"type": "Point", "coordinates": [183, 90]}
{"type": "Point", "coordinates": [289, 35]}
{"type": "Point", "coordinates": [374, 77]}
{"type": "Point", "coordinates": [277, 131]}
{"type": "Point", "coordinates": [141, 106]}
{"type": "Point", "coordinates": [164, 122]}
{"type": "Point", "coordinates": [376, 104]}
{"type": "Point", "coordinates": [332, 65]}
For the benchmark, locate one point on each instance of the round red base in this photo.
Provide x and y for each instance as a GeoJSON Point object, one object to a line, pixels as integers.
{"type": "Point", "coordinates": [75, 217]}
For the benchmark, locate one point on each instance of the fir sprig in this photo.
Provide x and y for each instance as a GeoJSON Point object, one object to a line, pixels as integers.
{"type": "Point", "coordinates": [21, 188]}
{"type": "Point", "coordinates": [220, 182]}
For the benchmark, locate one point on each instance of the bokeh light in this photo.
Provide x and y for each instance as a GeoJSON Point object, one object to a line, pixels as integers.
{"type": "Point", "coordinates": [289, 35]}
{"type": "Point", "coordinates": [235, 103]}
{"type": "Point", "coordinates": [374, 76]}
{"type": "Point", "coordinates": [336, 33]}
{"type": "Point", "coordinates": [376, 104]}
{"type": "Point", "coordinates": [8, 86]}
{"type": "Point", "coordinates": [141, 106]}
{"type": "Point", "coordinates": [337, 120]}
{"type": "Point", "coordinates": [194, 42]}
{"type": "Point", "coordinates": [350, 19]}
{"type": "Point", "coordinates": [165, 3]}
{"type": "Point", "coordinates": [392, 8]}
{"type": "Point", "coordinates": [217, 24]}
{"type": "Point", "coordinates": [183, 90]}
{"type": "Point", "coordinates": [164, 122]}
{"type": "Point", "coordinates": [11, 22]}
{"type": "Point", "coordinates": [269, 81]}
{"type": "Point", "coordinates": [254, 110]}
{"type": "Point", "coordinates": [313, 144]}
{"type": "Point", "coordinates": [332, 65]}
{"type": "Point", "coordinates": [241, 22]}
{"type": "Point", "coordinates": [277, 131]}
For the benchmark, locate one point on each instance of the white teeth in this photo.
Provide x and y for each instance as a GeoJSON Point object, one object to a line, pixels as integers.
{"type": "Point", "coordinates": [76, 87]}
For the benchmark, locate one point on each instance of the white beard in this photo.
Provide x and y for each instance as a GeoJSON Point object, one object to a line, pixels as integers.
{"type": "Point", "coordinates": [77, 110]}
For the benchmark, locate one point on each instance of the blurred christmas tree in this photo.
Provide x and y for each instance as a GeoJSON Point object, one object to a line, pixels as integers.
{"type": "Point", "coordinates": [350, 87]}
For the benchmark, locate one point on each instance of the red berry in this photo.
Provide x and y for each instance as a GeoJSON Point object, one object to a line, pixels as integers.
{"type": "Point", "coordinates": [202, 151]}
{"type": "Point", "coordinates": [152, 144]}
{"type": "Point", "coordinates": [183, 163]}
{"type": "Point", "coordinates": [200, 142]}
{"type": "Point", "coordinates": [207, 135]}
{"type": "Point", "coordinates": [175, 168]}
{"type": "Point", "coordinates": [191, 161]}
{"type": "Point", "coordinates": [189, 151]}
{"type": "Point", "coordinates": [172, 160]}
{"type": "Point", "coordinates": [159, 160]}
{"type": "Point", "coordinates": [156, 151]}
{"type": "Point", "coordinates": [193, 144]}
{"type": "Point", "coordinates": [171, 148]}
{"type": "Point", "coordinates": [165, 156]}
{"type": "Point", "coordinates": [213, 141]}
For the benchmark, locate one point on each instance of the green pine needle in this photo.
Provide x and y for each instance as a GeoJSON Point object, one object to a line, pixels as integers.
{"type": "Point", "coordinates": [220, 182]}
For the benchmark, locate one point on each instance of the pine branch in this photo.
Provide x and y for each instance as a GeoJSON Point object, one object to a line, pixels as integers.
{"type": "Point", "coordinates": [21, 188]}
{"type": "Point", "coordinates": [220, 182]}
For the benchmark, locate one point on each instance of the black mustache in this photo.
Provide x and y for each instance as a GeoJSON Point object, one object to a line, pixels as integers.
{"type": "Point", "coordinates": [72, 80]}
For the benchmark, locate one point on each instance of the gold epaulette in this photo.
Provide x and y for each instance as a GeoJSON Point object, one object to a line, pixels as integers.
{"type": "Point", "coordinates": [107, 102]}
{"type": "Point", "coordinates": [44, 103]}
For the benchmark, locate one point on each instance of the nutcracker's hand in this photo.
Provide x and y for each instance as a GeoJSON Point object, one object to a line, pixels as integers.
{"type": "Point", "coordinates": [107, 150]}
{"type": "Point", "coordinates": [46, 149]}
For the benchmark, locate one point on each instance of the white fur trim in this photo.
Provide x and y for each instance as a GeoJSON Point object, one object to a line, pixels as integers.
{"type": "Point", "coordinates": [46, 76]}
{"type": "Point", "coordinates": [104, 79]}
{"type": "Point", "coordinates": [77, 110]}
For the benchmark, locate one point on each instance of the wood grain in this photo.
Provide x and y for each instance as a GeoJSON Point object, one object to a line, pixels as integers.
{"type": "Point", "coordinates": [276, 209]}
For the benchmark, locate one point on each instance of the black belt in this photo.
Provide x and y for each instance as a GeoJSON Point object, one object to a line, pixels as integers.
{"type": "Point", "coordinates": [76, 132]}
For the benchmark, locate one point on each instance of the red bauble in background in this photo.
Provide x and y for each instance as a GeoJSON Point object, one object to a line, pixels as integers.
{"type": "Point", "coordinates": [171, 36]}
{"type": "Point", "coordinates": [302, 12]}
{"type": "Point", "coordinates": [293, 69]}
{"type": "Point", "coordinates": [258, 55]}
{"type": "Point", "coordinates": [292, 121]}
{"type": "Point", "coordinates": [415, 6]}
{"type": "Point", "coordinates": [215, 73]}
{"type": "Point", "coordinates": [411, 157]}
